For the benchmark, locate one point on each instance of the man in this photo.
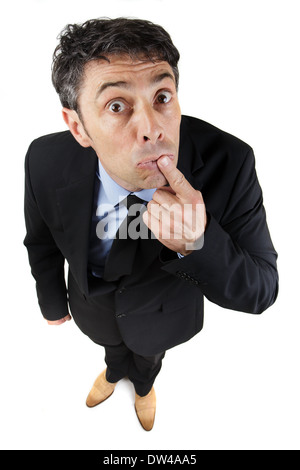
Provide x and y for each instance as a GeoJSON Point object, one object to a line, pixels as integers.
{"type": "Point", "coordinates": [200, 228]}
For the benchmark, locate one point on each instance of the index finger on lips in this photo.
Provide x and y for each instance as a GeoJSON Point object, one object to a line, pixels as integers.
{"type": "Point", "coordinates": [174, 177]}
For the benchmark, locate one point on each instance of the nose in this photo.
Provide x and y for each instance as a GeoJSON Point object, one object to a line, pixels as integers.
{"type": "Point", "coordinates": [149, 128]}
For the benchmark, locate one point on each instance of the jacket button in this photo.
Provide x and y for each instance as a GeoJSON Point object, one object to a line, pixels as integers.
{"type": "Point", "coordinates": [120, 315]}
{"type": "Point", "coordinates": [120, 291]}
{"type": "Point", "coordinates": [181, 274]}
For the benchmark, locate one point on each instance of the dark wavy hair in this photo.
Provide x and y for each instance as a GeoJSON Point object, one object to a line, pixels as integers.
{"type": "Point", "coordinates": [99, 38]}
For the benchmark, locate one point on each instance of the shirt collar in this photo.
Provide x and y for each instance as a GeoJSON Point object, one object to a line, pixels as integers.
{"type": "Point", "coordinates": [112, 193]}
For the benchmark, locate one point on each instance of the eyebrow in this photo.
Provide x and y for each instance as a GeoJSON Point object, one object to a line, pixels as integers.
{"type": "Point", "coordinates": [161, 77]}
{"type": "Point", "coordinates": [118, 84]}
{"type": "Point", "coordinates": [122, 84]}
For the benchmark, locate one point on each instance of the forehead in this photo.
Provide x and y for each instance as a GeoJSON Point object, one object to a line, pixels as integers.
{"type": "Point", "coordinates": [124, 68]}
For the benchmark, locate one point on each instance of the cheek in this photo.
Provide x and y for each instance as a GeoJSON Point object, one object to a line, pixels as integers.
{"type": "Point", "coordinates": [113, 135]}
{"type": "Point", "coordinates": [114, 153]}
{"type": "Point", "coordinates": [173, 120]}
{"type": "Point", "coordinates": [106, 144]}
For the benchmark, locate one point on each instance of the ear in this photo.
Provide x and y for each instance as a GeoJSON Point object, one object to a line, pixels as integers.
{"type": "Point", "coordinates": [73, 122]}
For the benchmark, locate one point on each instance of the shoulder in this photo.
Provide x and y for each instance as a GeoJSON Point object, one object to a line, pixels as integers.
{"type": "Point", "coordinates": [50, 144]}
{"type": "Point", "coordinates": [58, 156]}
{"type": "Point", "coordinates": [210, 142]}
{"type": "Point", "coordinates": [204, 132]}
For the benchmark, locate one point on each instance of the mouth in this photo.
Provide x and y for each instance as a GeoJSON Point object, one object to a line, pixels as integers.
{"type": "Point", "coordinates": [151, 162]}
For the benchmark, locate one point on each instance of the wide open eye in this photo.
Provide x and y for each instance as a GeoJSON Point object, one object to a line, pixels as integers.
{"type": "Point", "coordinates": [164, 97]}
{"type": "Point", "coordinates": [117, 107]}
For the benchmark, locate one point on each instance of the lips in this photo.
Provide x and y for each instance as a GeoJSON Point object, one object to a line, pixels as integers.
{"type": "Point", "coordinates": [151, 162]}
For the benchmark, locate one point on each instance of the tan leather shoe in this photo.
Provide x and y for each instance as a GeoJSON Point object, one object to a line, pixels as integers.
{"type": "Point", "coordinates": [101, 390]}
{"type": "Point", "coordinates": [145, 408]}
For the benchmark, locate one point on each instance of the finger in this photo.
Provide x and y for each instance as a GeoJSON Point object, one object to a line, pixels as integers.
{"type": "Point", "coordinates": [161, 231]}
{"type": "Point", "coordinates": [175, 178]}
{"type": "Point", "coordinates": [166, 224]}
{"type": "Point", "coordinates": [154, 211]}
{"type": "Point", "coordinates": [55, 322]}
{"type": "Point", "coordinates": [167, 189]}
{"type": "Point", "coordinates": [152, 223]}
{"type": "Point", "coordinates": [60, 321]}
{"type": "Point", "coordinates": [165, 196]}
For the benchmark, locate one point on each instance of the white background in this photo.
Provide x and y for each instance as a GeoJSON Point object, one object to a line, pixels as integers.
{"type": "Point", "coordinates": [239, 71]}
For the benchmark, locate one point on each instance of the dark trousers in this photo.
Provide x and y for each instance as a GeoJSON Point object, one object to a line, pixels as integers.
{"type": "Point", "coordinates": [141, 370]}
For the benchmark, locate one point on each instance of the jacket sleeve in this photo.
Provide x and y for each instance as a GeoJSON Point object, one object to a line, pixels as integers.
{"type": "Point", "coordinates": [236, 268]}
{"type": "Point", "coordinates": [46, 261]}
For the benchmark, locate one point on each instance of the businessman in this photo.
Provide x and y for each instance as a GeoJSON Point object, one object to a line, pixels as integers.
{"type": "Point", "coordinates": [152, 210]}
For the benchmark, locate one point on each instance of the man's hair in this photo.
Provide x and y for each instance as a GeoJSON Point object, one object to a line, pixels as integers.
{"type": "Point", "coordinates": [98, 39]}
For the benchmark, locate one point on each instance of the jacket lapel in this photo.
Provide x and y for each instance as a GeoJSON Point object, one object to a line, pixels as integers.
{"type": "Point", "coordinates": [75, 202]}
{"type": "Point", "coordinates": [190, 159]}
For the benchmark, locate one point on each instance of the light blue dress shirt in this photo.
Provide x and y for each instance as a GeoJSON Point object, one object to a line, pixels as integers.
{"type": "Point", "coordinates": [107, 198]}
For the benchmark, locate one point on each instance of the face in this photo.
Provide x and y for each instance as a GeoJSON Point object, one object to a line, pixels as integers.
{"type": "Point", "coordinates": [130, 117]}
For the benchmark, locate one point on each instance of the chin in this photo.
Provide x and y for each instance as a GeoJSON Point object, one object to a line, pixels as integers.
{"type": "Point", "coordinates": [153, 182]}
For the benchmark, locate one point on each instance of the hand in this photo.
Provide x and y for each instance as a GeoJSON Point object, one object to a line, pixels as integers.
{"type": "Point", "coordinates": [60, 321]}
{"type": "Point", "coordinates": [176, 215]}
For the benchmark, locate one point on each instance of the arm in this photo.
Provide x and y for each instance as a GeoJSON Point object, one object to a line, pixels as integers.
{"type": "Point", "coordinates": [46, 261]}
{"type": "Point", "coordinates": [236, 267]}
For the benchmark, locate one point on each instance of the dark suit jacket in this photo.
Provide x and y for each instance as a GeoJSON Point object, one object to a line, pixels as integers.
{"type": "Point", "coordinates": [158, 297]}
